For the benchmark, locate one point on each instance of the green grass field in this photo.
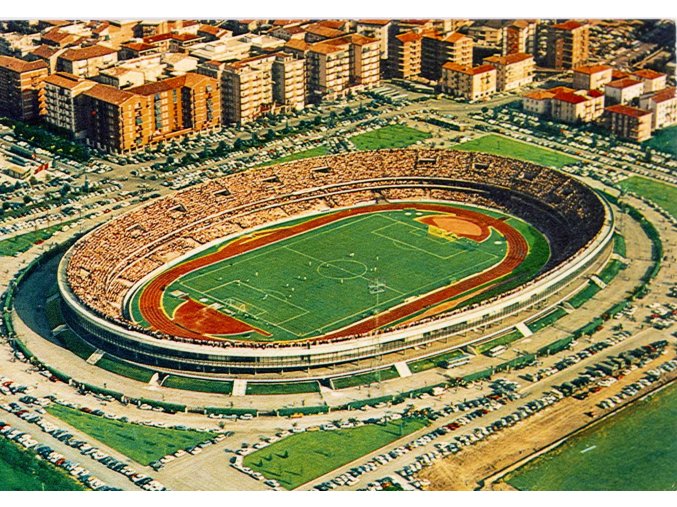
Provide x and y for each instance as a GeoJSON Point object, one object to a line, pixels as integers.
{"type": "Point", "coordinates": [196, 384]}
{"type": "Point", "coordinates": [499, 145]}
{"type": "Point", "coordinates": [664, 140]}
{"type": "Point", "coordinates": [283, 388]}
{"type": "Point", "coordinates": [22, 242]}
{"type": "Point", "coordinates": [505, 339]}
{"type": "Point", "coordinates": [390, 136]}
{"type": "Point", "coordinates": [433, 361]}
{"type": "Point", "coordinates": [619, 245]}
{"type": "Point", "coordinates": [143, 444]}
{"type": "Point", "coordinates": [312, 152]}
{"type": "Point", "coordinates": [547, 320]}
{"type": "Point", "coordinates": [584, 295]}
{"type": "Point", "coordinates": [635, 450]}
{"type": "Point", "coordinates": [363, 264]}
{"type": "Point", "coordinates": [125, 369]}
{"type": "Point", "coordinates": [663, 194]}
{"type": "Point", "coordinates": [20, 470]}
{"type": "Point", "coordinates": [303, 457]}
{"type": "Point", "coordinates": [365, 378]}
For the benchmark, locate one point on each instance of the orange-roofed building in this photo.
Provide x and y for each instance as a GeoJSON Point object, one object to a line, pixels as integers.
{"type": "Point", "coordinates": [404, 55]}
{"type": "Point", "coordinates": [653, 81]}
{"type": "Point", "coordinates": [22, 94]}
{"type": "Point", "coordinates": [470, 83]}
{"type": "Point", "coordinates": [663, 105]}
{"type": "Point", "coordinates": [86, 61]}
{"type": "Point", "coordinates": [623, 91]}
{"type": "Point", "coordinates": [592, 77]}
{"type": "Point", "coordinates": [513, 71]}
{"type": "Point", "coordinates": [437, 49]}
{"type": "Point", "coordinates": [568, 45]}
{"type": "Point", "coordinates": [63, 100]}
{"type": "Point", "coordinates": [628, 122]}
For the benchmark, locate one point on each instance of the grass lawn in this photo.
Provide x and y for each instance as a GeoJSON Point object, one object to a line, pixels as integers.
{"type": "Point", "coordinates": [619, 245]}
{"type": "Point", "coordinates": [610, 271]}
{"type": "Point", "coordinates": [664, 140]}
{"type": "Point", "coordinates": [663, 194]}
{"type": "Point", "coordinates": [547, 320]}
{"type": "Point", "coordinates": [197, 384]}
{"type": "Point", "coordinates": [433, 361]}
{"type": "Point", "coordinates": [143, 444]}
{"type": "Point", "coordinates": [505, 339]}
{"type": "Point", "coordinates": [125, 369]}
{"type": "Point", "coordinates": [312, 152]}
{"type": "Point", "coordinates": [390, 136]}
{"type": "Point", "coordinates": [20, 470]}
{"type": "Point", "coordinates": [303, 457]}
{"type": "Point", "coordinates": [580, 298]}
{"type": "Point", "coordinates": [365, 378]}
{"type": "Point", "coordinates": [283, 388]}
{"type": "Point", "coordinates": [499, 145]}
{"type": "Point", "coordinates": [22, 242]}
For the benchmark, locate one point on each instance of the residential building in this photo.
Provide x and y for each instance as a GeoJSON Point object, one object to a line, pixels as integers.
{"type": "Point", "coordinates": [86, 61]}
{"type": "Point", "coordinates": [488, 34]}
{"type": "Point", "coordinates": [378, 29]}
{"type": "Point", "coordinates": [247, 89]}
{"type": "Point", "coordinates": [328, 69]}
{"type": "Point", "coordinates": [653, 81]}
{"type": "Point", "coordinates": [63, 99]}
{"type": "Point", "coordinates": [437, 49]}
{"type": "Point", "coordinates": [520, 37]}
{"type": "Point", "coordinates": [22, 94]}
{"type": "Point", "coordinates": [468, 82]}
{"type": "Point", "coordinates": [568, 45]}
{"type": "Point", "coordinates": [513, 71]}
{"type": "Point", "coordinates": [289, 82]}
{"type": "Point", "coordinates": [628, 122]}
{"type": "Point", "coordinates": [623, 91]}
{"type": "Point", "coordinates": [592, 77]}
{"type": "Point", "coordinates": [47, 54]}
{"type": "Point", "coordinates": [317, 32]}
{"type": "Point", "coordinates": [663, 105]}
{"type": "Point", "coordinates": [126, 120]}
{"type": "Point", "coordinates": [404, 55]}
{"type": "Point", "coordinates": [580, 106]}
{"type": "Point", "coordinates": [539, 101]}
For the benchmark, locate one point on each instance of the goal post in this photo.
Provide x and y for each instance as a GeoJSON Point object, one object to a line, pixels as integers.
{"type": "Point", "coordinates": [440, 232]}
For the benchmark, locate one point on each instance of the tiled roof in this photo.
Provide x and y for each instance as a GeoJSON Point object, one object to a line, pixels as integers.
{"type": "Point", "coordinates": [86, 53]}
{"type": "Point", "coordinates": [471, 71]}
{"type": "Point", "coordinates": [648, 74]}
{"type": "Point", "coordinates": [592, 69]}
{"type": "Point", "coordinates": [508, 59]}
{"type": "Point", "coordinates": [109, 94]}
{"type": "Point", "coordinates": [663, 95]}
{"type": "Point", "coordinates": [635, 112]}
{"type": "Point", "coordinates": [626, 82]}
{"type": "Point", "coordinates": [568, 25]}
{"type": "Point", "coordinates": [45, 51]}
{"type": "Point", "coordinates": [570, 97]}
{"type": "Point", "coordinates": [409, 37]}
{"type": "Point", "coordinates": [64, 80]}
{"type": "Point", "coordinates": [18, 65]}
{"type": "Point", "coordinates": [377, 22]}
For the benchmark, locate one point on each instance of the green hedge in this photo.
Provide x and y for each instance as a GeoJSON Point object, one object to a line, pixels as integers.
{"type": "Point", "coordinates": [547, 320]}
{"type": "Point", "coordinates": [230, 411]}
{"type": "Point", "coordinates": [478, 375]}
{"type": "Point", "coordinates": [284, 412]}
{"type": "Point", "coordinates": [556, 346]}
{"type": "Point", "coordinates": [611, 270]}
{"type": "Point", "coordinates": [365, 378]}
{"type": "Point", "coordinates": [433, 361]}
{"type": "Point", "coordinates": [584, 295]}
{"type": "Point", "coordinates": [125, 369]}
{"type": "Point", "coordinates": [282, 388]}
{"type": "Point", "coordinates": [505, 339]}
{"type": "Point", "coordinates": [197, 384]}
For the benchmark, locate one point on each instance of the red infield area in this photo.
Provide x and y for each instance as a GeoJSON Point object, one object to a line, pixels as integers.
{"type": "Point", "coordinates": [197, 320]}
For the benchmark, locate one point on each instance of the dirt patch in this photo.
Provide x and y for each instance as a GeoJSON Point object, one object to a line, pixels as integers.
{"type": "Point", "coordinates": [460, 227]}
{"type": "Point", "coordinates": [206, 320]}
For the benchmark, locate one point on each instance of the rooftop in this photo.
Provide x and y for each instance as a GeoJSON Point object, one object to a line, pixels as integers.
{"type": "Point", "coordinates": [409, 37]}
{"type": "Point", "coordinates": [592, 69]}
{"type": "Point", "coordinates": [626, 82]}
{"type": "Point", "coordinates": [664, 95]}
{"type": "Point", "coordinates": [18, 65]}
{"type": "Point", "coordinates": [648, 74]}
{"type": "Point", "coordinates": [65, 80]}
{"type": "Point", "coordinates": [624, 110]}
{"type": "Point", "coordinates": [509, 59]}
{"type": "Point", "coordinates": [109, 94]}
{"type": "Point", "coordinates": [471, 71]}
{"type": "Point", "coordinates": [569, 25]}
{"type": "Point", "coordinates": [86, 53]}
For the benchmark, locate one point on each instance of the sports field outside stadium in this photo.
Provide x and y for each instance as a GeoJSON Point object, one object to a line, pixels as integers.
{"type": "Point", "coordinates": [333, 272]}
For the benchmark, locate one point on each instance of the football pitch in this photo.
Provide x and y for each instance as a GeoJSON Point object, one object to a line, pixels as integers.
{"type": "Point", "coordinates": [329, 277]}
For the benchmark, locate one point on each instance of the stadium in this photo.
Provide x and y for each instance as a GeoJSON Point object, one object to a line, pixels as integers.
{"type": "Point", "coordinates": [330, 260]}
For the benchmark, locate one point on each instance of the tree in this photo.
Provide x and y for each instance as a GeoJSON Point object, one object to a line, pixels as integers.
{"type": "Point", "coordinates": [270, 135]}
{"type": "Point", "coordinates": [65, 189]}
{"type": "Point", "coordinates": [27, 199]}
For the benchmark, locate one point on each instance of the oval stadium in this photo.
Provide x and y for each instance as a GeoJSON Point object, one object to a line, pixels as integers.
{"type": "Point", "coordinates": [331, 261]}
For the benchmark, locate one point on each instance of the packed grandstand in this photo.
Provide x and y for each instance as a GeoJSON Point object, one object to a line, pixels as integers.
{"type": "Point", "coordinates": [104, 268]}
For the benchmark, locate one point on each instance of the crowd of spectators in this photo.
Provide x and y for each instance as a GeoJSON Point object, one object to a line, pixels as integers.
{"type": "Point", "coordinates": [104, 265]}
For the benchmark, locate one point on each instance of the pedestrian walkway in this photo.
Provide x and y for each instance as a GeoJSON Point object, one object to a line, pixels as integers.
{"type": "Point", "coordinates": [524, 329]}
{"type": "Point", "coordinates": [597, 281]}
{"type": "Point", "coordinates": [96, 355]}
{"type": "Point", "coordinates": [402, 369]}
{"type": "Point", "coordinates": [239, 387]}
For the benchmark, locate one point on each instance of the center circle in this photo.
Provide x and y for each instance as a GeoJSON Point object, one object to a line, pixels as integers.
{"type": "Point", "coordinates": [342, 269]}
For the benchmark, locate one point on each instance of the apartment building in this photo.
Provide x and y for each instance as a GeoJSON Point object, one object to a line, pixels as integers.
{"type": "Point", "coordinates": [577, 106]}
{"type": "Point", "coordinates": [468, 82]}
{"type": "Point", "coordinates": [592, 77]}
{"type": "Point", "coordinates": [488, 34]}
{"type": "Point", "coordinates": [86, 61]}
{"type": "Point", "coordinates": [663, 106]}
{"type": "Point", "coordinates": [513, 71]}
{"type": "Point", "coordinates": [289, 82]}
{"type": "Point", "coordinates": [404, 55]}
{"type": "Point", "coordinates": [328, 70]}
{"type": "Point", "coordinates": [378, 29]}
{"type": "Point", "coordinates": [539, 101]}
{"type": "Point", "coordinates": [628, 122]}
{"type": "Point", "coordinates": [623, 91]}
{"type": "Point", "coordinates": [520, 37]}
{"type": "Point", "coordinates": [568, 45]}
{"type": "Point", "coordinates": [126, 120]}
{"type": "Point", "coordinates": [21, 88]}
{"type": "Point", "coordinates": [653, 81]}
{"type": "Point", "coordinates": [438, 49]}
{"type": "Point", "coordinates": [247, 89]}
{"type": "Point", "coordinates": [63, 99]}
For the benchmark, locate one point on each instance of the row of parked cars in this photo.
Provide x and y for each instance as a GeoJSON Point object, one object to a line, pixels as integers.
{"type": "Point", "coordinates": [32, 411]}
{"type": "Point", "coordinates": [651, 377]}
{"type": "Point", "coordinates": [192, 450]}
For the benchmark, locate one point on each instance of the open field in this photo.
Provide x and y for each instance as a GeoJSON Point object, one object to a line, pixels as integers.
{"type": "Point", "coordinates": [433, 361]}
{"type": "Point", "coordinates": [664, 140]}
{"type": "Point", "coordinates": [303, 457]}
{"type": "Point", "coordinates": [613, 455]}
{"type": "Point", "coordinates": [365, 378]}
{"type": "Point", "coordinates": [196, 384]}
{"type": "Point", "coordinates": [663, 194]}
{"type": "Point", "coordinates": [22, 242]}
{"type": "Point", "coordinates": [369, 262]}
{"type": "Point", "coordinates": [143, 444]}
{"type": "Point", "coordinates": [506, 147]}
{"type": "Point", "coordinates": [21, 471]}
{"type": "Point", "coordinates": [391, 136]}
